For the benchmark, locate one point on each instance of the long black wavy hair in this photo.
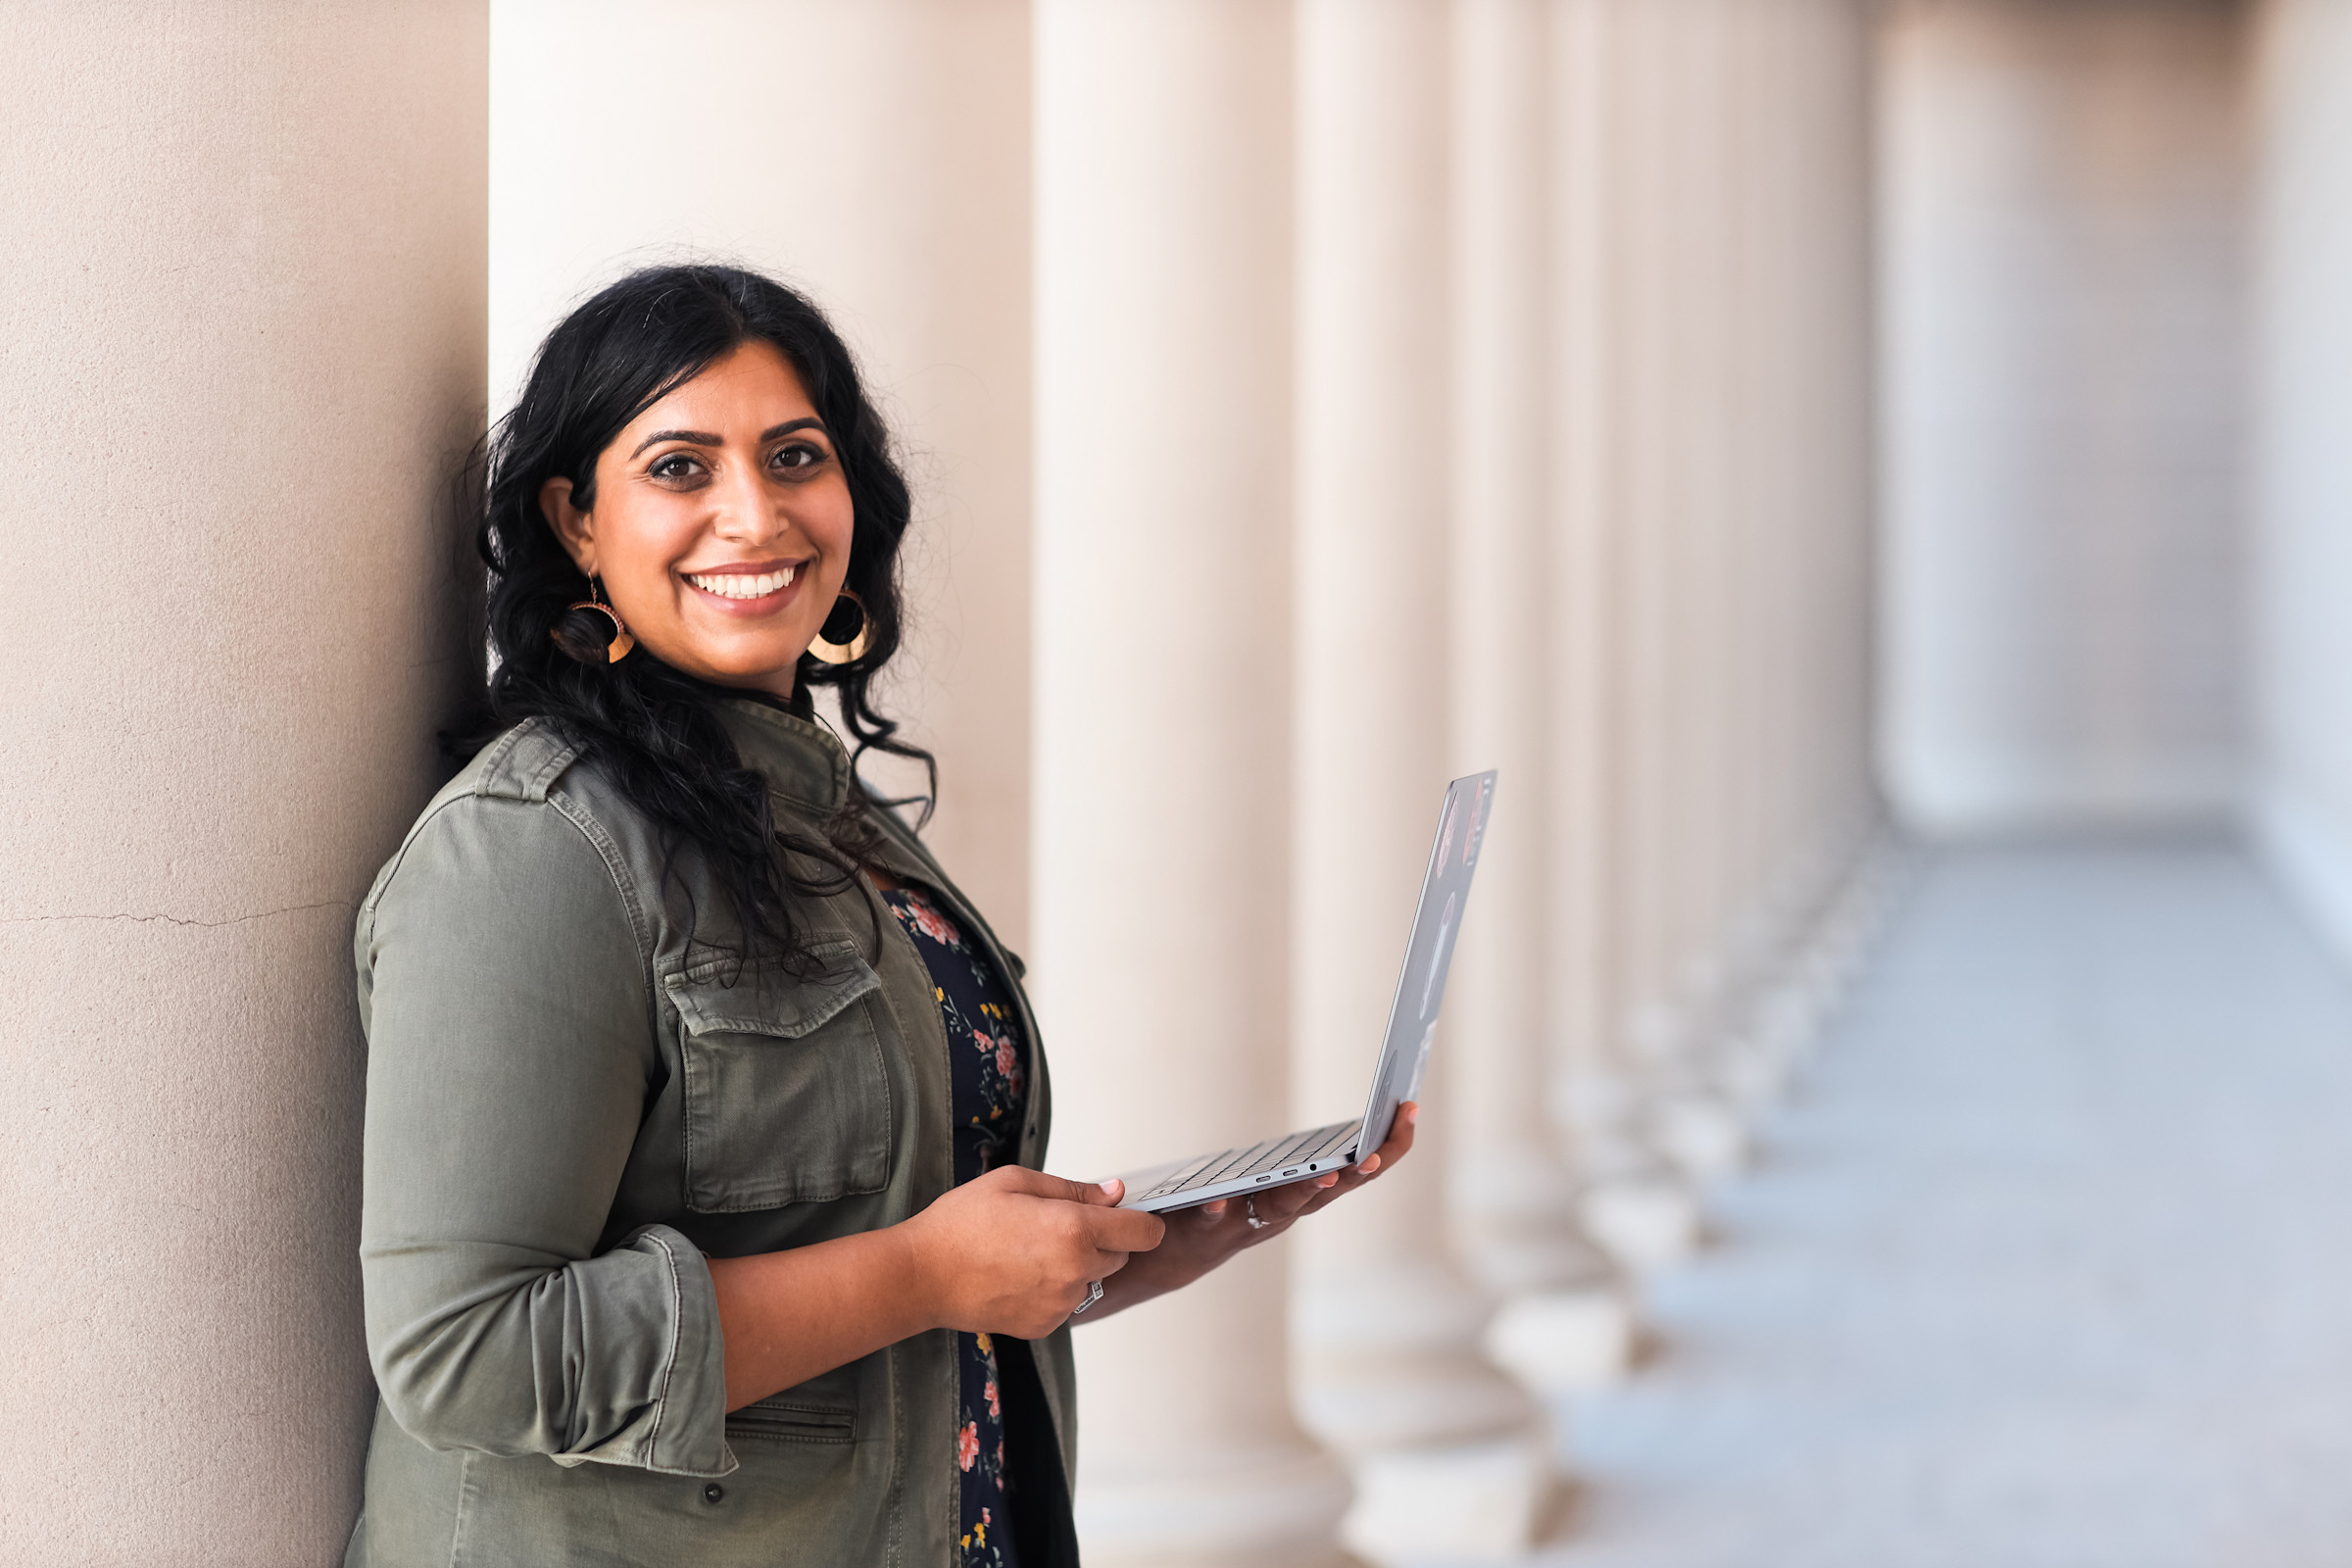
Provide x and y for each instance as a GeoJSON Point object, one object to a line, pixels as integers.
{"type": "Point", "coordinates": [654, 729]}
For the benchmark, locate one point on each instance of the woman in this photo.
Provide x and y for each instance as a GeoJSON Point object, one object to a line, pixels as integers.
{"type": "Point", "coordinates": [706, 1117]}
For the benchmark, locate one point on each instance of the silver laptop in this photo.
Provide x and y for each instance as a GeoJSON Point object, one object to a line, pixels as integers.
{"type": "Point", "coordinates": [1403, 1052]}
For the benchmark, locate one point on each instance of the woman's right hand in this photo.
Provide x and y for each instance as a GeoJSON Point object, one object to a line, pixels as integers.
{"type": "Point", "coordinates": [1015, 1251]}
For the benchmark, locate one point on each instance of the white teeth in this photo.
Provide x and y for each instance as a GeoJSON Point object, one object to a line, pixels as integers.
{"type": "Point", "coordinates": [741, 585]}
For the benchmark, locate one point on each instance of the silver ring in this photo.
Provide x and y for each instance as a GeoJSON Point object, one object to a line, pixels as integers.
{"type": "Point", "coordinates": [1249, 1212]}
{"type": "Point", "coordinates": [1094, 1294]}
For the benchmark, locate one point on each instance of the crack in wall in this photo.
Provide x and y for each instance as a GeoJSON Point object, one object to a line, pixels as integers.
{"type": "Point", "coordinates": [179, 920]}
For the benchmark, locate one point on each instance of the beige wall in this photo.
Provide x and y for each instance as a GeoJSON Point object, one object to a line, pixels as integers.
{"type": "Point", "coordinates": [2303, 455]}
{"type": "Point", "coordinates": [876, 155]}
{"type": "Point", "coordinates": [2064, 203]}
{"type": "Point", "coordinates": [243, 355]}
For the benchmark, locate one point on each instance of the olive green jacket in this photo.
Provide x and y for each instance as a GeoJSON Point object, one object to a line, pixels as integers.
{"type": "Point", "coordinates": [566, 1117]}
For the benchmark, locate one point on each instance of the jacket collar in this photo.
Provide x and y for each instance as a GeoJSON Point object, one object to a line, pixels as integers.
{"type": "Point", "coordinates": [803, 760]}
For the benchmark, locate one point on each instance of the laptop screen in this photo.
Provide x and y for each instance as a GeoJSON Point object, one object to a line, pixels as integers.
{"type": "Point", "coordinates": [1429, 953]}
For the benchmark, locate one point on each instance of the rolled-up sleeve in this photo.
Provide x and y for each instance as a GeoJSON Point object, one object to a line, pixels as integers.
{"type": "Point", "coordinates": [502, 981]}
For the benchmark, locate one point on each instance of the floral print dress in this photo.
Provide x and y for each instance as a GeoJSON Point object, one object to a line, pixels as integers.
{"type": "Point", "coordinates": [989, 1068]}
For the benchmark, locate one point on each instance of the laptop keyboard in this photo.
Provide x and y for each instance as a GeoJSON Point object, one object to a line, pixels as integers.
{"type": "Point", "coordinates": [1289, 1152]}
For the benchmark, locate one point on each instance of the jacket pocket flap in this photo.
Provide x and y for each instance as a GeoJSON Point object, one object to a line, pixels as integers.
{"type": "Point", "coordinates": [769, 1000]}
{"type": "Point", "coordinates": [790, 1421]}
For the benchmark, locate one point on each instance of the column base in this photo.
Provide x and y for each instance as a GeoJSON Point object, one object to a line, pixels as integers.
{"type": "Point", "coordinates": [1755, 1069]}
{"type": "Point", "coordinates": [1410, 1398]}
{"type": "Point", "coordinates": [1516, 1226]}
{"type": "Point", "coordinates": [1449, 1457]}
{"type": "Point", "coordinates": [1468, 1503]}
{"type": "Point", "coordinates": [1701, 1133]}
{"type": "Point", "coordinates": [1242, 1508]}
{"type": "Point", "coordinates": [1388, 1360]}
{"type": "Point", "coordinates": [1565, 1340]}
{"type": "Point", "coordinates": [1647, 1221]}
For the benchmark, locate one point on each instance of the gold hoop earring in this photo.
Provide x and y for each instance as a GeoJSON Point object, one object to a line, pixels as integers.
{"type": "Point", "coordinates": [850, 641]}
{"type": "Point", "coordinates": [623, 640]}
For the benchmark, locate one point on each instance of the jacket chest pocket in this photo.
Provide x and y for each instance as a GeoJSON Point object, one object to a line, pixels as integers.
{"type": "Point", "coordinates": [787, 1100]}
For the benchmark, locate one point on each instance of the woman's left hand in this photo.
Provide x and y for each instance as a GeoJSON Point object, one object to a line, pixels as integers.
{"type": "Point", "coordinates": [1200, 1238]}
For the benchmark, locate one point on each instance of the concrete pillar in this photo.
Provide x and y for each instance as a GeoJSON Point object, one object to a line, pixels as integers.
{"type": "Point", "coordinates": [2302, 382]}
{"type": "Point", "coordinates": [1585, 859]}
{"type": "Point", "coordinates": [1622, 498]}
{"type": "Point", "coordinates": [1163, 722]}
{"type": "Point", "coordinates": [1706, 165]}
{"type": "Point", "coordinates": [1706, 1127]}
{"type": "Point", "coordinates": [892, 183]}
{"type": "Point", "coordinates": [1837, 91]}
{"type": "Point", "coordinates": [1776, 540]}
{"type": "Point", "coordinates": [1566, 1322]}
{"type": "Point", "coordinates": [1805, 128]}
{"type": "Point", "coordinates": [1666, 432]}
{"type": "Point", "coordinates": [1444, 1448]}
{"type": "Point", "coordinates": [1712, 353]}
{"type": "Point", "coordinates": [245, 256]}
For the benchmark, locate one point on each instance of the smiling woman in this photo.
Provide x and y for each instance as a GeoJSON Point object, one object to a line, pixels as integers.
{"type": "Point", "coordinates": [705, 1217]}
{"type": "Point", "coordinates": [703, 421]}
{"type": "Point", "coordinates": [723, 549]}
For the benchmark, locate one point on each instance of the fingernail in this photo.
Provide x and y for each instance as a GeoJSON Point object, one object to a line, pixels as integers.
{"type": "Point", "coordinates": [1371, 1163]}
{"type": "Point", "coordinates": [1412, 1113]}
{"type": "Point", "coordinates": [1110, 1186]}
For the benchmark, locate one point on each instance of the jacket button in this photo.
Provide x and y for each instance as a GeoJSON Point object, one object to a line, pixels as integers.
{"type": "Point", "coordinates": [714, 1493]}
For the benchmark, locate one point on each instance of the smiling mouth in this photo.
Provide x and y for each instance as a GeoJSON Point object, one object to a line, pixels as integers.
{"type": "Point", "coordinates": [744, 584]}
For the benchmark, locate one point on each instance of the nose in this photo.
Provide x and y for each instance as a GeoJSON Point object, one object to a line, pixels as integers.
{"type": "Point", "coordinates": [746, 512]}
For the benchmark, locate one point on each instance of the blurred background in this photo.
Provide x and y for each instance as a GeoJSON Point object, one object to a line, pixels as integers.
{"type": "Point", "coordinates": [1871, 477]}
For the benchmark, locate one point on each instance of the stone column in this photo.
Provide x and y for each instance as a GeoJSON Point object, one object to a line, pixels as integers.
{"type": "Point", "coordinates": [1774, 541]}
{"type": "Point", "coordinates": [1566, 1322]}
{"type": "Point", "coordinates": [2300, 792]}
{"type": "Point", "coordinates": [1705, 644]}
{"type": "Point", "coordinates": [1800, 130]}
{"type": "Point", "coordinates": [1586, 860]}
{"type": "Point", "coordinates": [893, 186]}
{"type": "Point", "coordinates": [1445, 1449]}
{"type": "Point", "coordinates": [245, 257]}
{"type": "Point", "coordinates": [1716, 167]}
{"type": "Point", "coordinates": [1831, 249]}
{"type": "Point", "coordinates": [1616, 339]}
{"type": "Point", "coordinates": [1161, 827]}
{"type": "Point", "coordinates": [1788, 223]}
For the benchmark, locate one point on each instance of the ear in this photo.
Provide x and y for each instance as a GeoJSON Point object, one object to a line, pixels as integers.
{"type": "Point", "coordinates": [575, 531]}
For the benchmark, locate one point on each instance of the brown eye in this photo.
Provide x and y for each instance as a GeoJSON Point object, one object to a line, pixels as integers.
{"type": "Point", "coordinates": [677, 465]}
{"type": "Point", "coordinates": [800, 454]}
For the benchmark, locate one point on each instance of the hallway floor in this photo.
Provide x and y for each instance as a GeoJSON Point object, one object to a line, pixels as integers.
{"type": "Point", "coordinates": [2046, 1261]}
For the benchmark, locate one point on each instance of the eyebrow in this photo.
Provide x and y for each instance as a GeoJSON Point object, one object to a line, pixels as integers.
{"type": "Point", "coordinates": [704, 438]}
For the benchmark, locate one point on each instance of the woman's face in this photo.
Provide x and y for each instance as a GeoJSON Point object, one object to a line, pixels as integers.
{"type": "Point", "coordinates": [722, 524]}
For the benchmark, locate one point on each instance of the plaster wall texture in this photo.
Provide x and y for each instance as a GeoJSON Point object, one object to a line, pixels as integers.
{"type": "Point", "coordinates": [1161, 814]}
{"type": "Point", "coordinates": [245, 253]}
{"type": "Point", "coordinates": [2064, 196]}
{"type": "Point", "coordinates": [890, 180]}
{"type": "Point", "coordinates": [2302, 487]}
